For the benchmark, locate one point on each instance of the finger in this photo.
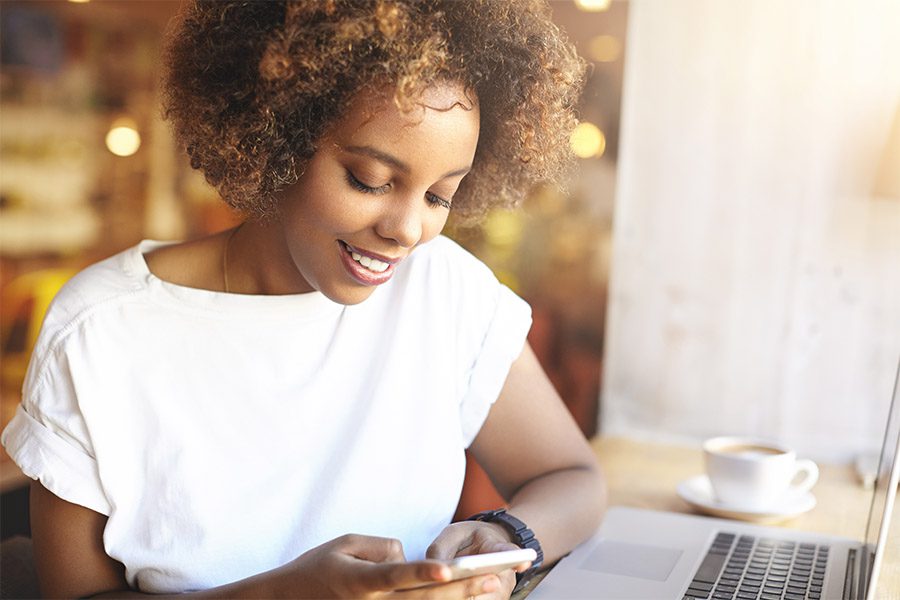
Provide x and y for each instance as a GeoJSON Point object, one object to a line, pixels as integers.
{"type": "Point", "coordinates": [386, 576]}
{"type": "Point", "coordinates": [508, 576]}
{"type": "Point", "coordinates": [372, 548]}
{"type": "Point", "coordinates": [450, 543]}
{"type": "Point", "coordinates": [522, 567]}
{"type": "Point", "coordinates": [472, 587]}
{"type": "Point", "coordinates": [488, 537]}
{"type": "Point", "coordinates": [498, 547]}
{"type": "Point", "coordinates": [507, 582]}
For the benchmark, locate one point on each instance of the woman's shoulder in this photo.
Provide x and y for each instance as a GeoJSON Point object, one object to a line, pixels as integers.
{"type": "Point", "coordinates": [120, 278]}
{"type": "Point", "coordinates": [100, 281]}
{"type": "Point", "coordinates": [450, 277]}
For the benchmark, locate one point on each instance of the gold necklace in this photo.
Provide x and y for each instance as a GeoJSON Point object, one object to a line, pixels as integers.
{"type": "Point", "coordinates": [225, 257]}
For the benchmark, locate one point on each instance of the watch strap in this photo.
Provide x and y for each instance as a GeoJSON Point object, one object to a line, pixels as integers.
{"type": "Point", "coordinates": [522, 536]}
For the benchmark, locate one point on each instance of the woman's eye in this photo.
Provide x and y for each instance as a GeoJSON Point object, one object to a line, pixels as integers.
{"type": "Point", "coordinates": [367, 189]}
{"type": "Point", "coordinates": [436, 200]}
{"type": "Point", "coordinates": [432, 199]}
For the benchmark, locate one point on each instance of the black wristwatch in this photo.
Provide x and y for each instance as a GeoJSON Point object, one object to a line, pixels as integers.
{"type": "Point", "coordinates": [522, 536]}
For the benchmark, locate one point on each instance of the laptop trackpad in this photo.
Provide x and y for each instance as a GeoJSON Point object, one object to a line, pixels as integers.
{"type": "Point", "coordinates": [632, 560]}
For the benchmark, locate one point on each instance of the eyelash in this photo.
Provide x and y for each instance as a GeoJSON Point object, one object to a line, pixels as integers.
{"type": "Point", "coordinates": [432, 199]}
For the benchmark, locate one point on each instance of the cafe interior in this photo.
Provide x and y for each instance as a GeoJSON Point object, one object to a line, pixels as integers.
{"type": "Point", "coordinates": [724, 257]}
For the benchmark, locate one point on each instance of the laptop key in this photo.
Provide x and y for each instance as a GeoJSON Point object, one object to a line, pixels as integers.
{"type": "Point", "coordinates": [710, 568]}
{"type": "Point", "coordinates": [695, 593]}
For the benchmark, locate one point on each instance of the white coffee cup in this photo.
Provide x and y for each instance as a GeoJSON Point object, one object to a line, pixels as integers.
{"type": "Point", "coordinates": [755, 474]}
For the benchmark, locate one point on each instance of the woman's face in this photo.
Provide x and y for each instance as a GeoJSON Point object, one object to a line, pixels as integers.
{"type": "Point", "coordinates": [380, 184]}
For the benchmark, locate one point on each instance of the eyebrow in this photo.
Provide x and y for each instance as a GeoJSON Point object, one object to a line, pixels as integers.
{"type": "Point", "coordinates": [394, 161]}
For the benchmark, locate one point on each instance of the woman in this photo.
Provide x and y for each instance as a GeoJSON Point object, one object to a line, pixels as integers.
{"type": "Point", "coordinates": [281, 410]}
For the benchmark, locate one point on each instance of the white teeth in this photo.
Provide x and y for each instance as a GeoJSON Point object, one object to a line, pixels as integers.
{"type": "Point", "coordinates": [370, 263]}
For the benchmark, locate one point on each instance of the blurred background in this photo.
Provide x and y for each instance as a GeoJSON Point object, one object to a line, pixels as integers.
{"type": "Point", "coordinates": [725, 258]}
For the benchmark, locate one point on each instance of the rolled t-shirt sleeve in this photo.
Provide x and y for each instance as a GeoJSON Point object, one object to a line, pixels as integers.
{"type": "Point", "coordinates": [502, 343]}
{"type": "Point", "coordinates": [48, 439]}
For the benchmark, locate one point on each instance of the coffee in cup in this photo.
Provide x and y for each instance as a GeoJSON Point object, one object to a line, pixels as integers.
{"type": "Point", "coordinates": [754, 474]}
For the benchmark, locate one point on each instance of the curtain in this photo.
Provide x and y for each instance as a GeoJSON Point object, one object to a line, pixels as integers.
{"type": "Point", "coordinates": [755, 279]}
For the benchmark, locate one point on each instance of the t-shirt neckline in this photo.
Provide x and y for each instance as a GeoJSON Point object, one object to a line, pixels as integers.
{"type": "Point", "coordinates": [307, 304]}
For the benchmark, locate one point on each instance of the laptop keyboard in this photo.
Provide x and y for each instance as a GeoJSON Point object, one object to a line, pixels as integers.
{"type": "Point", "coordinates": [747, 568]}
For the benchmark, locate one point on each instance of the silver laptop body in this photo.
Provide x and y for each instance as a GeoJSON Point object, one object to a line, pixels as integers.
{"type": "Point", "coordinates": [640, 553]}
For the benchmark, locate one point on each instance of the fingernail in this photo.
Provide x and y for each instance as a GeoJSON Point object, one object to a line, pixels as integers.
{"type": "Point", "coordinates": [490, 585]}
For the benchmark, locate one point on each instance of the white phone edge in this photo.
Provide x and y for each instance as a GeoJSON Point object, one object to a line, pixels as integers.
{"type": "Point", "coordinates": [492, 562]}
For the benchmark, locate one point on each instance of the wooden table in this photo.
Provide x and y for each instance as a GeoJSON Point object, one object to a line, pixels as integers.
{"type": "Point", "coordinates": [645, 475]}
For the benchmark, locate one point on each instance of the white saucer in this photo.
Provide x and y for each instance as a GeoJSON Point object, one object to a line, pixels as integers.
{"type": "Point", "coordinates": [697, 491]}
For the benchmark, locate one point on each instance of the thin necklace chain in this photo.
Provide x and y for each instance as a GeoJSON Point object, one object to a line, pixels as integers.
{"type": "Point", "coordinates": [225, 257]}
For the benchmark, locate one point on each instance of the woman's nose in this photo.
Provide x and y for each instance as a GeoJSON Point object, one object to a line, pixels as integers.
{"type": "Point", "coordinates": [401, 221]}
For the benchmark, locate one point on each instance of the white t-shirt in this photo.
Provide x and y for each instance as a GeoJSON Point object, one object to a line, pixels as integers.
{"type": "Point", "coordinates": [225, 434]}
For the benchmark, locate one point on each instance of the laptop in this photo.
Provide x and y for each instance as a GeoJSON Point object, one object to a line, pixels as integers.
{"type": "Point", "coordinates": [640, 553]}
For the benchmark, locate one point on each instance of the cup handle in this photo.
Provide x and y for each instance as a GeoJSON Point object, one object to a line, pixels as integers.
{"type": "Point", "coordinates": [810, 472]}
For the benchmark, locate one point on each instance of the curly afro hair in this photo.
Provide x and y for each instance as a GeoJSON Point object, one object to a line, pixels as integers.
{"type": "Point", "coordinates": [250, 87]}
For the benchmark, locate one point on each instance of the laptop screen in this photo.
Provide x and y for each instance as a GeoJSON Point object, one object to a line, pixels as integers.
{"type": "Point", "coordinates": [886, 479]}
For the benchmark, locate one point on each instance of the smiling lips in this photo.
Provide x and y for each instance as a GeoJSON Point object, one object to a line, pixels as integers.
{"type": "Point", "coordinates": [365, 267]}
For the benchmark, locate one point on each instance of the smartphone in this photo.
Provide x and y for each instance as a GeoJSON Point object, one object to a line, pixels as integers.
{"type": "Point", "coordinates": [492, 562]}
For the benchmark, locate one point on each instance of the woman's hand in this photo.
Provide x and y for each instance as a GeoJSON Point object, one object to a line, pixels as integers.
{"type": "Point", "coordinates": [357, 566]}
{"type": "Point", "coordinates": [478, 537]}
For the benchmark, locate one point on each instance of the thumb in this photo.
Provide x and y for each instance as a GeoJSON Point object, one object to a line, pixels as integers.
{"type": "Point", "coordinates": [449, 542]}
{"type": "Point", "coordinates": [374, 549]}
{"type": "Point", "coordinates": [390, 576]}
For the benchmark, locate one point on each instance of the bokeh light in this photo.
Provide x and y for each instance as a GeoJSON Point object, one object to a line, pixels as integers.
{"type": "Point", "coordinates": [123, 138]}
{"type": "Point", "coordinates": [587, 140]}
{"type": "Point", "coordinates": [604, 48]}
{"type": "Point", "coordinates": [593, 5]}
